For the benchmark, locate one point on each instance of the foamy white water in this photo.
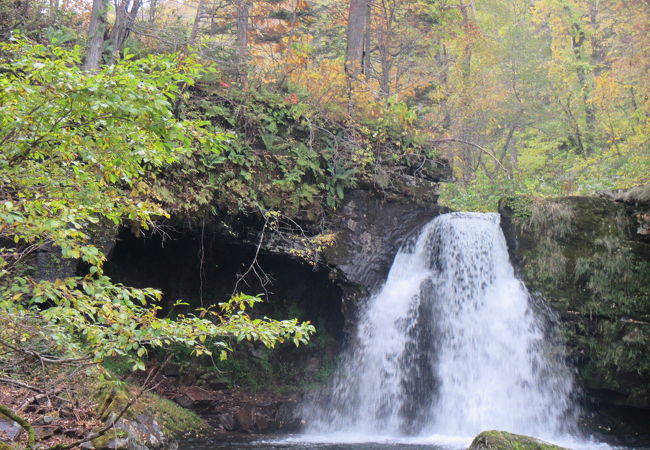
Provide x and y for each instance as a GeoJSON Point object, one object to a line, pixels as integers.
{"type": "Point", "coordinates": [451, 346]}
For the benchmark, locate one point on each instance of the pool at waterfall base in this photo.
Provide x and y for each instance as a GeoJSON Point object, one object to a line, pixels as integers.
{"type": "Point", "coordinates": [356, 442]}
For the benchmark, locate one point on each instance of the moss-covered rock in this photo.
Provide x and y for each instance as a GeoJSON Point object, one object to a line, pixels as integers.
{"type": "Point", "coordinates": [585, 256]}
{"type": "Point", "coordinates": [174, 420]}
{"type": "Point", "coordinates": [113, 439]}
{"type": "Point", "coordinates": [501, 440]}
{"type": "Point", "coordinates": [152, 422]}
{"type": "Point", "coordinates": [7, 446]}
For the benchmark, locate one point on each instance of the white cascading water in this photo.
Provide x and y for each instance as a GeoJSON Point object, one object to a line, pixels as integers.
{"type": "Point", "coordinates": [452, 345]}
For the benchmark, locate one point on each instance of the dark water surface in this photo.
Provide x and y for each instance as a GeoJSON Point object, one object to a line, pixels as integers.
{"type": "Point", "coordinates": [282, 443]}
{"type": "Point", "coordinates": [301, 442]}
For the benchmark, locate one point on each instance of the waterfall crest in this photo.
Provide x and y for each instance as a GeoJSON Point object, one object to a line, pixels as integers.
{"type": "Point", "coordinates": [451, 345]}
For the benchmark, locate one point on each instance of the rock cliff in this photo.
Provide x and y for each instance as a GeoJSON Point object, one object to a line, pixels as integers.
{"type": "Point", "coordinates": [590, 259]}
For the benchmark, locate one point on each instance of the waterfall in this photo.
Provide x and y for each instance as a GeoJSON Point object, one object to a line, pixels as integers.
{"type": "Point", "coordinates": [453, 344]}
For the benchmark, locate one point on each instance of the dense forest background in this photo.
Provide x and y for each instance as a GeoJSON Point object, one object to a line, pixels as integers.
{"type": "Point", "coordinates": [263, 114]}
{"type": "Point", "coordinates": [544, 97]}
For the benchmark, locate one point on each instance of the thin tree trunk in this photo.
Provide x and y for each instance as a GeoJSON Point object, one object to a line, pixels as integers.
{"type": "Point", "coordinates": [442, 58]}
{"type": "Point", "coordinates": [152, 11]}
{"type": "Point", "coordinates": [467, 51]}
{"type": "Point", "coordinates": [124, 20]}
{"type": "Point", "coordinates": [513, 154]}
{"type": "Point", "coordinates": [597, 57]}
{"type": "Point", "coordinates": [195, 26]}
{"type": "Point", "coordinates": [367, 42]}
{"type": "Point", "coordinates": [577, 43]}
{"type": "Point", "coordinates": [384, 42]}
{"type": "Point", "coordinates": [96, 31]}
{"type": "Point", "coordinates": [54, 7]}
{"type": "Point", "coordinates": [243, 10]}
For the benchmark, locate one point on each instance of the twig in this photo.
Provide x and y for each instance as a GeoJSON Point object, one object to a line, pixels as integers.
{"type": "Point", "coordinates": [257, 252]}
{"type": "Point", "coordinates": [35, 389]}
{"type": "Point", "coordinates": [472, 144]}
{"type": "Point", "coordinates": [21, 384]}
{"type": "Point", "coordinates": [31, 400]}
{"type": "Point", "coordinates": [42, 358]}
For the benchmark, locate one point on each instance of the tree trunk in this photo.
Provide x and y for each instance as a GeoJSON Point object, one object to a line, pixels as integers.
{"type": "Point", "coordinates": [384, 82]}
{"type": "Point", "coordinates": [96, 31]}
{"type": "Point", "coordinates": [467, 51]}
{"type": "Point", "coordinates": [54, 8]}
{"type": "Point", "coordinates": [385, 39]}
{"type": "Point", "coordinates": [152, 11]}
{"type": "Point", "coordinates": [577, 43]}
{"type": "Point", "coordinates": [243, 10]}
{"type": "Point", "coordinates": [597, 57]}
{"type": "Point", "coordinates": [442, 59]}
{"type": "Point", "coordinates": [195, 26]}
{"type": "Point", "coordinates": [124, 20]}
{"type": "Point", "coordinates": [355, 37]}
{"type": "Point", "coordinates": [367, 42]}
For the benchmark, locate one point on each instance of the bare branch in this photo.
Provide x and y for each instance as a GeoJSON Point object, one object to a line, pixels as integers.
{"type": "Point", "coordinates": [472, 144]}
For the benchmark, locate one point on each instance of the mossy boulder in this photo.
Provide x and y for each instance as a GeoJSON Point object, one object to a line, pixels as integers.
{"type": "Point", "coordinates": [114, 439]}
{"type": "Point", "coordinates": [152, 422]}
{"type": "Point", "coordinates": [585, 256]}
{"type": "Point", "coordinates": [501, 440]}
{"type": "Point", "coordinates": [7, 446]}
{"type": "Point", "coordinates": [174, 420]}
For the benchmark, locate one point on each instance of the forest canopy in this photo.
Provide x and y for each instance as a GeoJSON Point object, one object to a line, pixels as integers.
{"type": "Point", "coordinates": [543, 97]}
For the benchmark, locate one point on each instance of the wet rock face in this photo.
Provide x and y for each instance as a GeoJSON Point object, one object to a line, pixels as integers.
{"type": "Point", "coordinates": [587, 259]}
{"type": "Point", "coordinates": [637, 200]}
{"type": "Point", "coordinates": [50, 265]}
{"type": "Point", "coordinates": [371, 228]}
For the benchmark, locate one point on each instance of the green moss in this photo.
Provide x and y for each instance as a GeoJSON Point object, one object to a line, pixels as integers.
{"type": "Point", "coordinates": [581, 255]}
{"type": "Point", "coordinates": [550, 222]}
{"type": "Point", "coordinates": [521, 206]}
{"type": "Point", "coordinates": [111, 397]}
{"type": "Point", "coordinates": [104, 440]}
{"type": "Point", "coordinates": [501, 440]}
{"type": "Point", "coordinates": [174, 420]}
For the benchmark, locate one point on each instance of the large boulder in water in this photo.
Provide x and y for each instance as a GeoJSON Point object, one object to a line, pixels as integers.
{"type": "Point", "coordinates": [501, 440]}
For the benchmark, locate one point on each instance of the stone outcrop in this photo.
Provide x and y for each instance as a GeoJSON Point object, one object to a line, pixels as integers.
{"type": "Point", "coordinates": [10, 431]}
{"type": "Point", "coordinates": [501, 440]}
{"type": "Point", "coordinates": [51, 265]}
{"type": "Point", "coordinates": [587, 258]}
{"type": "Point", "coordinates": [151, 423]}
{"type": "Point", "coordinates": [372, 223]}
{"type": "Point", "coordinates": [637, 201]}
{"type": "Point", "coordinates": [231, 410]}
{"type": "Point", "coordinates": [370, 229]}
